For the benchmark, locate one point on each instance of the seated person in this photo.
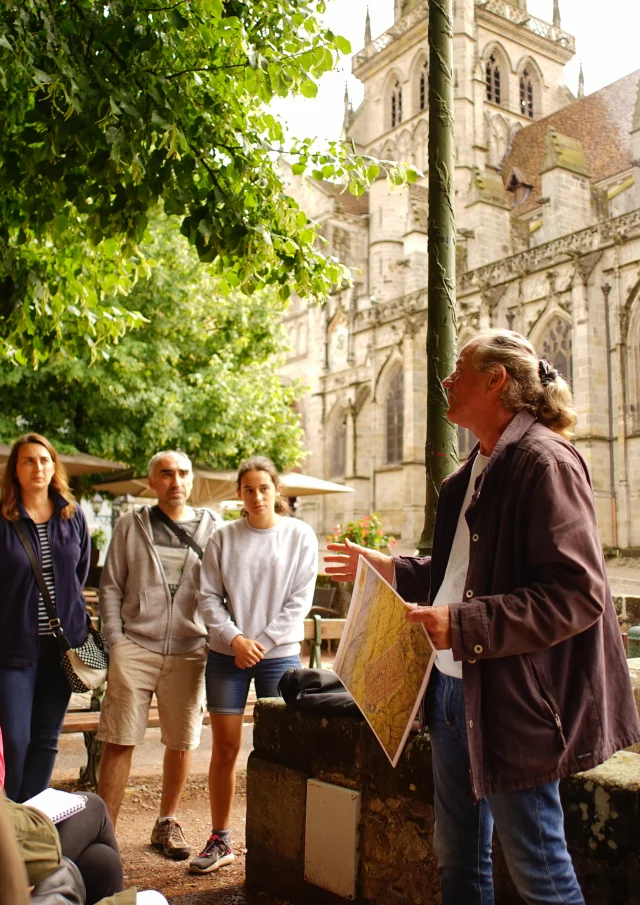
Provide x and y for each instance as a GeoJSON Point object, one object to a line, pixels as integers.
{"type": "Point", "coordinates": [31, 852]}
{"type": "Point", "coordinates": [86, 838]}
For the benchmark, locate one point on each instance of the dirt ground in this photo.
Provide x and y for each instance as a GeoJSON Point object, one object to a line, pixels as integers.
{"type": "Point", "coordinates": [147, 869]}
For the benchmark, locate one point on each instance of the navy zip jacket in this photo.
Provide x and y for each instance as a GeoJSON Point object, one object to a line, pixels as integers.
{"type": "Point", "coordinates": [70, 551]}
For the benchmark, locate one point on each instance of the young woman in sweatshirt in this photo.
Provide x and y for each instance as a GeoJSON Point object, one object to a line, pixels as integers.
{"type": "Point", "coordinates": [256, 587]}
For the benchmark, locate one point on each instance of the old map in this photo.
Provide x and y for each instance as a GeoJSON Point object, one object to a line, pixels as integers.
{"type": "Point", "coordinates": [383, 660]}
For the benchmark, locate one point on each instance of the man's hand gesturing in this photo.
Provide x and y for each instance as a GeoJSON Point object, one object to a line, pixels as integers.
{"type": "Point", "coordinates": [346, 562]}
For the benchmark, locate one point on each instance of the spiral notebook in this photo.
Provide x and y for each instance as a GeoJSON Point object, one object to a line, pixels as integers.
{"type": "Point", "coordinates": [57, 805]}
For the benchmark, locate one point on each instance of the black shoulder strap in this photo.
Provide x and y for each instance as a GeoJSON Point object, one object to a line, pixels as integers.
{"type": "Point", "coordinates": [179, 532]}
{"type": "Point", "coordinates": [54, 622]}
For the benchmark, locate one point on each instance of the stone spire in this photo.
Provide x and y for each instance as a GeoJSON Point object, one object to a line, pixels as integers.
{"type": "Point", "coordinates": [556, 13]}
{"type": "Point", "coordinates": [347, 108]}
{"type": "Point", "coordinates": [581, 82]}
{"type": "Point", "coordinates": [367, 29]}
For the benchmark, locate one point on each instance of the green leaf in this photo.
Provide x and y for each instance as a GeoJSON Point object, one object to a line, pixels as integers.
{"type": "Point", "coordinates": [309, 88]}
{"type": "Point", "coordinates": [178, 20]}
{"type": "Point", "coordinates": [343, 45]}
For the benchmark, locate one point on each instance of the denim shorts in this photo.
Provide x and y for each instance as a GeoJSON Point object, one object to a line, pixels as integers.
{"type": "Point", "coordinates": [228, 686]}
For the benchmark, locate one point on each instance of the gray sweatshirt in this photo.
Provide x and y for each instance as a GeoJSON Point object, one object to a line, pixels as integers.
{"type": "Point", "coordinates": [259, 583]}
{"type": "Point", "coordinates": [135, 599]}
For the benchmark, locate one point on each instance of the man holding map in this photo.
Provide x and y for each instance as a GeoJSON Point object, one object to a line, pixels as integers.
{"type": "Point", "coordinates": [531, 683]}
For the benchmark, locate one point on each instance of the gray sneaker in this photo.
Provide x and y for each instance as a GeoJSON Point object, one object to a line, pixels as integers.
{"type": "Point", "coordinates": [169, 837]}
{"type": "Point", "coordinates": [215, 854]}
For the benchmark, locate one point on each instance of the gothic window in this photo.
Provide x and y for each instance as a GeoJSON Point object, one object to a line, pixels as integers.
{"type": "Point", "coordinates": [395, 418]}
{"type": "Point", "coordinates": [339, 451]}
{"type": "Point", "coordinates": [396, 104]}
{"type": "Point", "coordinates": [423, 91]}
{"type": "Point", "coordinates": [556, 346]}
{"type": "Point", "coordinates": [493, 80]}
{"type": "Point", "coordinates": [526, 94]}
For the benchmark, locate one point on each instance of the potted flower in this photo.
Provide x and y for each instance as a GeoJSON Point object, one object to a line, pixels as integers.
{"type": "Point", "coordinates": [98, 542]}
{"type": "Point", "coordinates": [368, 532]}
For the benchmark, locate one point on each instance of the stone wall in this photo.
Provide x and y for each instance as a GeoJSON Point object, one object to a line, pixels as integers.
{"type": "Point", "coordinates": [397, 864]}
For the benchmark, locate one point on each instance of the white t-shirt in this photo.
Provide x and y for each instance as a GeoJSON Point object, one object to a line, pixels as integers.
{"type": "Point", "coordinates": [172, 553]}
{"type": "Point", "coordinates": [452, 586]}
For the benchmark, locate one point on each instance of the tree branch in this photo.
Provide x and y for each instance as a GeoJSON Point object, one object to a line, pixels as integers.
{"type": "Point", "coordinates": [160, 9]}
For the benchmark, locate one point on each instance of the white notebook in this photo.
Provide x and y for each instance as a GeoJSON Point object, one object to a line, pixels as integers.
{"type": "Point", "coordinates": [57, 805]}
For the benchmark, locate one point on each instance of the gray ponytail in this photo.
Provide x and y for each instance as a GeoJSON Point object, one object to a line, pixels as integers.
{"type": "Point", "coordinates": [532, 383]}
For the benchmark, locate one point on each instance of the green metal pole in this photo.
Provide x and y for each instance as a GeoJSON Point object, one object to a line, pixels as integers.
{"type": "Point", "coordinates": [441, 448]}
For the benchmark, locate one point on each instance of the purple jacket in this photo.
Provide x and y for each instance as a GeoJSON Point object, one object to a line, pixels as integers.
{"type": "Point", "coordinates": [546, 687]}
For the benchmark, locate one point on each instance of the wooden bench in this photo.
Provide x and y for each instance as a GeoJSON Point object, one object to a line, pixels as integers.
{"type": "Point", "coordinates": [316, 630]}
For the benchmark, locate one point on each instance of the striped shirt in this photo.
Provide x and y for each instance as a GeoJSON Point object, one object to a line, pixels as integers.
{"type": "Point", "coordinates": [49, 579]}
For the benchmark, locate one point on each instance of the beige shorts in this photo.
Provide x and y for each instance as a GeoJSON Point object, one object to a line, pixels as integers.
{"type": "Point", "coordinates": [135, 674]}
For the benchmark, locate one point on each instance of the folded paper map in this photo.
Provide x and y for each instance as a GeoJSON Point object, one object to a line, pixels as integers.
{"type": "Point", "coordinates": [383, 660]}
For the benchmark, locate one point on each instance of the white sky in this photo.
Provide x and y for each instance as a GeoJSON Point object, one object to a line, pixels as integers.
{"type": "Point", "coordinates": [607, 43]}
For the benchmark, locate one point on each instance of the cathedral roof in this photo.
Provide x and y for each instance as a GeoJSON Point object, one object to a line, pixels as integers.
{"type": "Point", "coordinates": [601, 122]}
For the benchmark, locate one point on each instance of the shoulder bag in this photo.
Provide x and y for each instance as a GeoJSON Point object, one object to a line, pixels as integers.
{"type": "Point", "coordinates": [85, 667]}
{"type": "Point", "coordinates": [179, 532]}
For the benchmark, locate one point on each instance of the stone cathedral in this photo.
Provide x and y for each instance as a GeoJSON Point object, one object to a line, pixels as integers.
{"type": "Point", "coordinates": [547, 189]}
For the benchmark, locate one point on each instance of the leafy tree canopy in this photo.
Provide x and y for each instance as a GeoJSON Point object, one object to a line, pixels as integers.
{"type": "Point", "coordinates": [108, 108]}
{"type": "Point", "coordinates": [199, 373]}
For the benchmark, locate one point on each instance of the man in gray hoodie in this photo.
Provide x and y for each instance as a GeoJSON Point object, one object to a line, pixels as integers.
{"type": "Point", "coordinates": [157, 640]}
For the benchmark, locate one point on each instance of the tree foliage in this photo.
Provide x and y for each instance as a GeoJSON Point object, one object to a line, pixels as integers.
{"type": "Point", "coordinates": [108, 108]}
{"type": "Point", "coordinates": [200, 373]}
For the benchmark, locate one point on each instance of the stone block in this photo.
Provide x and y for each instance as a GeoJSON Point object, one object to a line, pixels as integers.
{"type": "Point", "coordinates": [619, 603]}
{"type": "Point", "coordinates": [396, 827]}
{"type": "Point", "coordinates": [397, 861]}
{"type": "Point", "coordinates": [276, 809]}
{"type": "Point", "coordinates": [308, 743]}
{"type": "Point", "coordinates": [633, 610]}
{"type": "Point", "coordinates": [602, 808]}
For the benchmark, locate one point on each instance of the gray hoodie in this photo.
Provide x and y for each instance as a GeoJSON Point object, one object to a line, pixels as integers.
{"type": "Point", "coordinates": [135, 599]}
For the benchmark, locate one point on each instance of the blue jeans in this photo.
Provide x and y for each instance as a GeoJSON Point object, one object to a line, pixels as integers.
{"type": "Point", "coordinates": [530, 823]}
{"type": "Point", "coordinates": [228, 686]}
{"type": "Point", "coordinates": [33, 702]}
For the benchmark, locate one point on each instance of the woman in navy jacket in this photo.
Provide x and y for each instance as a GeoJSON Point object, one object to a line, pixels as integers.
{"type": "Point", "coordinates": [34, 693]}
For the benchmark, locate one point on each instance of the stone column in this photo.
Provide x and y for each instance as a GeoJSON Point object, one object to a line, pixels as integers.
{"type": "Point", "coordinates": [590, 392]}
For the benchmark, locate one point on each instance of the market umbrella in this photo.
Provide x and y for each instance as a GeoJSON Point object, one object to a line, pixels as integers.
{"type": "Point", "coordinates": [214, 486]}
{"type": "Point", "coordinates": [77, 464]}
{"type": "Point", "coordinates": [294, 484]}
{"type": "Point", "coordinates": [208, 486]}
